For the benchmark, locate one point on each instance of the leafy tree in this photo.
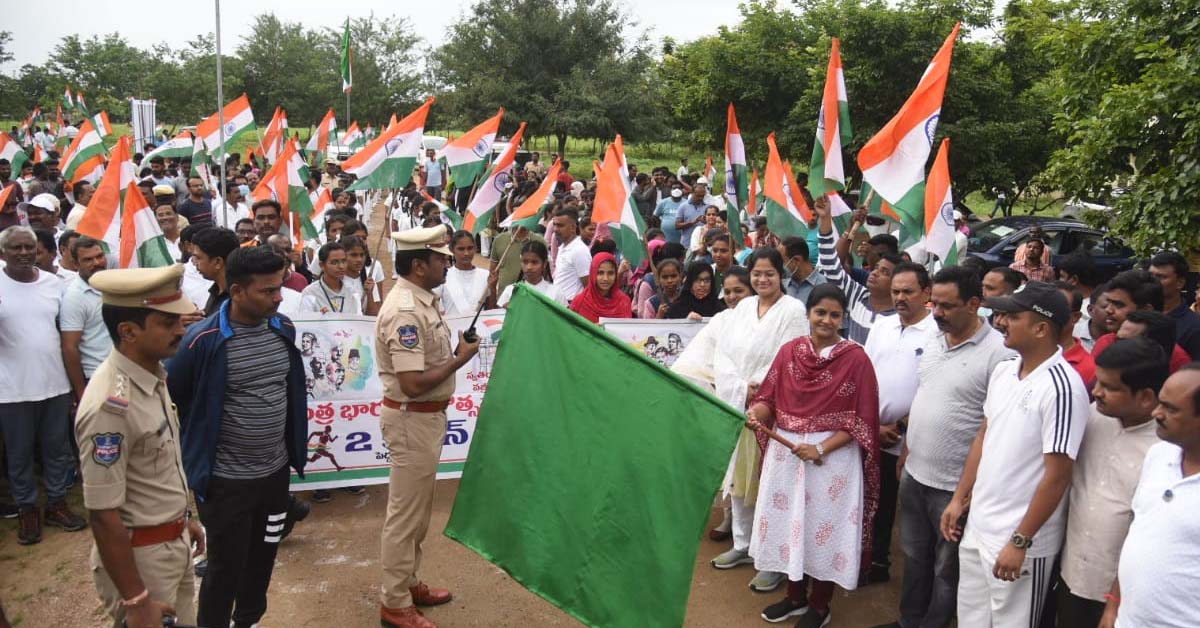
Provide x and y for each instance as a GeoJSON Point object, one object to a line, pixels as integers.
{"type": "Point", "coordinates": [184, 82]}
{"type": "Point", "coordinates": [565, 66]}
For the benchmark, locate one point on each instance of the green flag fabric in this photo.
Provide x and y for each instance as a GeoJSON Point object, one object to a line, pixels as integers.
{"type": "Point", "coordinates": [595, 497]}
{"type": "Point", "coordinates": [347, 55]}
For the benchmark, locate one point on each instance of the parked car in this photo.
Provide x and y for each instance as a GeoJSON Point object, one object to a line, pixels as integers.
{"type": "Point", "coordinates": [996, 241]}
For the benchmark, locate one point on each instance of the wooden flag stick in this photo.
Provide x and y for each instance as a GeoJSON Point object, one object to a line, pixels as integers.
{"type": "Point", "coordinates": [773, 435]}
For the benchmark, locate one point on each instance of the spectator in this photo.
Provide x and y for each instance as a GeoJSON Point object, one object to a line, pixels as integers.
{"type": "Point", "coordinates": [866, 302]}
{"type": "Point", "coordinates": [168, 221]}
{"type": "Point", "coordinates": [571, 268]}
{"type": "Point", "coordinates": [196, 207]}
{"type": "Point", "coordinates": [1157, 577]}
{"type": "Point", "coordinates": [763, 236]}
{"type": "Point", "coordinates": [698, 297]}
{"type": "Point", "coordinates": [507, 248]}
{"type": "Point", "coordinates": [1032, 265]}
{"type": "Point", "coordinates": [1019, 467]}
{"type": "Point", "coordinates": [801, 276]}
{"type": "Point", "coordinates": [330, 293]}
{"type": "Point", "coordinates": [535, 271]}
{"type": "Point", "coordinates": [601, 297]}
{"type": "Point", "coordinates": [1157, 327]}
{"type": "Point", "coordinates": [268, 220]}
{"type": "Point", "coordinates": [1171, 270]}
{"type": "Point", "coordinates": [690, 214]}
{"type": "Point", "coordinates": [65, 260]}
{"type": "Point", "coordinates": [1079, 270]}
{"type": "Point", "coordinates": [1129, 291]}
{"type": "Point", "coordinates": [34, 389]}
{"type": "Point", "coordinates": [1073, 350]}
{"type": "Point", "coordinates": [210, 248]}
{"type": "Point", "coordinates": [645, 195]}
{"type": "Point", "coordinates": [83, 192]}
{"type": "Point", "coordinates": [85, 340]}
{"type": "Point", "coordinates": [1120, 430]}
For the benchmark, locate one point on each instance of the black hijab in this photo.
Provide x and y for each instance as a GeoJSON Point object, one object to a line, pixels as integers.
{"type": "Point", "coordinates": [688, 303]}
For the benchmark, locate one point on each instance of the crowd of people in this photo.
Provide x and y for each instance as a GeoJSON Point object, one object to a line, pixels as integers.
{"type": "Point", "coordinates": [1034, 430]}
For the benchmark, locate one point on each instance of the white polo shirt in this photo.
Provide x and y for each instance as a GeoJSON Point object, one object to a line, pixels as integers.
{"type": "Point", "coordinates": [1160, 562]}
{"type": "Point", "coordinates": [895, 352]}
{"type": "Point", "coordinates": [1046, 412]}
{"type": "Point", "coordinates": [574, 261]}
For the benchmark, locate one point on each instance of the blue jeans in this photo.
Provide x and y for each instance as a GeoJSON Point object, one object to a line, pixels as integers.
{"type": "Point", "coordinates": [26, 424]}
{"type": "Point", "coordinates": [929, 593]}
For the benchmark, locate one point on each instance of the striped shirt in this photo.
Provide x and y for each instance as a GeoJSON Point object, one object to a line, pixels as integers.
{"type": "Point", "coordinates": [1044, 412]}
{"type": "Point", "coordinates": [861, 315]}
{"type": "Point", "coordinates": [251, 443]}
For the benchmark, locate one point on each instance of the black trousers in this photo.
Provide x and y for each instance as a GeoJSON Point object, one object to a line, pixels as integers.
{"type": "Point", "coordinates": [244, 521]}
{"type": "Point", "coordinates": [1075, 611]}
{"type": "Point", "coordinates": [885, 517]}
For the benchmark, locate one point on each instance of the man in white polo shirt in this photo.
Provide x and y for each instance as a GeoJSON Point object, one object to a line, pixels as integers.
{"type": "Point", "coordinates": [574, 261]}
{"type": "Point", "coordinates": [1019, 468]}
{"type": "Point", "coordinates": [895, 345]}
{"type": "Point", "coordinates": [1159, 576]}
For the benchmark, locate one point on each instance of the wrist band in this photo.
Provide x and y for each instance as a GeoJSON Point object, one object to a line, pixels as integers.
{"type": "Point", "coordinates": [137, 599]}
{"type": "Point", "coordinates": [1109, 597]}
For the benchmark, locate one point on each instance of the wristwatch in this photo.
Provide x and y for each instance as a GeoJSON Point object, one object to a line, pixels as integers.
{"type": "Point", "coordinates": [1020, 541]}
{"type": "Point", "coordinates": [820, 451]}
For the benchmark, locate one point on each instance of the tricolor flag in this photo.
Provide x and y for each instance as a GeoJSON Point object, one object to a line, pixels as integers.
{"type": "Point", "coordinates": [785, 216]}
{"type": "Point", "coordinates": [893, 162]}
{"type": "Point", "coordinates": [752, 204]}
{"type": "Point", "coordinates": [177, 147]}
{"type": "Point", "coordinates": [827, 172]}
{"type": "Point", "coordinates": [60, 133]}
{"type": "Point", "coordinates": [468, 156]}
{"type": "Point", "coordinates": [102, 125]}
{"type": "Point", "coordinates": [37, 154]}
{"type": "Point", "coordinates": [311, 228]}
{"type": "Point", "coordinates": [347, 57]}
{"type": "Point", "coordinates": [284, 183]}
{"type": "Point", "coordinates": [238, 120]}
{"type": "Point", "coordinates": [615, 205]}
{"type": "Point", "coordinates": [86, 145]}
{"type": "Point", "coordinates": [456, 219]}
{"type": "Point", "coordinates": [490, 192]}
{"type": "Point", "coordinates": [709, 171]}
{"type": "Point", "coordinates": [11, 150]}
{"type": "Point", "coordinates": [275, 135]}
{"type": "Point", "coordinates": [67, 100]}
{"type": "Point", "coordinates": [388, 161]}
{"type": "Point", "coordinates": [319, 141]}
{"type": "Point", "coordinates": [89, 171]}
{"type": "Point", "coordinates": [354, 138]}
{"type": "Point", "coordinates": [737, 190]}
{"type": "Point", "coordinates": [530, 212]}
{"type": "Point", "coordinates": [939, 209]}
{"type": "Point", "coordinates": [81, 104]}
{"type": "Point", "coordinates": [142, 241]}
{"type": "Point", "coordinates": [102, 220]}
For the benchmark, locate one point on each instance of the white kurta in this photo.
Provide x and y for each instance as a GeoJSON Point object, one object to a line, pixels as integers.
{"type": "Point", "coordinates": [462, 291]}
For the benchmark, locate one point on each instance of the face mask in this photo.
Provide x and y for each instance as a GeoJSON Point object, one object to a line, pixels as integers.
{"type": "Point", "coordinates": [985, 312]}
{"type": "Point", "coordinates": [245, 190]}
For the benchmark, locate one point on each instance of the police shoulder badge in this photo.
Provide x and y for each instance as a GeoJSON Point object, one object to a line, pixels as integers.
{"type": "Point", "coordinates": [107, 448]}
{"type": "Point", "coordinates": [408, 337]}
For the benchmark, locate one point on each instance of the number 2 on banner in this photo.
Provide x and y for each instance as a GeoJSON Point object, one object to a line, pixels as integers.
{"type": "Point", "coordinates": [358, 441]}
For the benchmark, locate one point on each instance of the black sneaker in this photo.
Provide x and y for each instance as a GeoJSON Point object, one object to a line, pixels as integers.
{"type": "Point", "coordinates": [815, 619]}
{"type": "Point", "coordinates": [9, 511]}
{"type": "Point", "coordinates": [877, 573]}
{"type": "Point", "coordinates": [200, 568]}
{"type": "Point", "coordinates": [58, 514]}
{"type": "Point", "coordinates": [297, 511]}
{"type": "Point", "coordinates": [355, 490]}
{"type": "Point", "coordinates": [783, 609]}
{"type": "Point", "coordinates": [30, 531]}
{"type": "Point", "coordinates": [321, 496]}
{"type": "Point", "coordinates": [894, 624]}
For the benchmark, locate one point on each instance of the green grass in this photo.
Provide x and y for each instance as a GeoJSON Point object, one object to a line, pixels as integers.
{"type": "Point", "coordinates": [982, 206]}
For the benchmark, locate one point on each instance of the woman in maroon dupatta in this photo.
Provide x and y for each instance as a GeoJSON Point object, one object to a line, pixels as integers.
{"type": "Point", "coordinates": [816, 502]}
{"type": "Point", "coordinates": [601, 298]}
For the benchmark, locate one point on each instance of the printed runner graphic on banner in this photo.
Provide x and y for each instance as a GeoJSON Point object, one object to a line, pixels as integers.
{"type": "Point", "coordinates": [659, 340]}
{"type": "Point", "coordinates": [345, 445]}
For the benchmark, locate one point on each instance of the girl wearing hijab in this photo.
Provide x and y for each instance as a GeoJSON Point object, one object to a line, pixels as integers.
{"type": "Point", "coordinates": [601, 298]}
{"type": "Point", "coordinates": [730, 356]}
{"type": "Point", "coordinates": [698, 298]}
{"type": "Point", "coordinates": [821, 395]}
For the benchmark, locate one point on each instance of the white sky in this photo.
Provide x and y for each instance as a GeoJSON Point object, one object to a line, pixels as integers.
{"type": "Point", "coordinates": [35, 31]}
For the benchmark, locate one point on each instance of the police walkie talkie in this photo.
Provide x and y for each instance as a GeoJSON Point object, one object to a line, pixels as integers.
{"type": "Point", "coordinates": [470, 335]}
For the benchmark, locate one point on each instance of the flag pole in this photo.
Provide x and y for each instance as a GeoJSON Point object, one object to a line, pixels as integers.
{"type": "Point", "coordinates": [221, 115]}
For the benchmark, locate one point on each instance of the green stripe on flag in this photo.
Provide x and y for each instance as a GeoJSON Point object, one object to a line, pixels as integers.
{"type": "Point", "coordinates": [153, 253]}
{"type": "Point", "coordinates": [392, 173]}
{"type": "Point", "coordinates": [781, 222]}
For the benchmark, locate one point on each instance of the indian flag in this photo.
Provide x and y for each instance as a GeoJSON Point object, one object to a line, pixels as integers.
{"type": "Point", "coordinates": [142, 241]}
{"type": "Point", "coordinates": [467, 156]}
{"type": "Point", "coordinates": [86, 145]}
{"type": "Point", "coordinates": [752, 203]}
{"type": "Point", "coordinates": [102, 220]}
{"type": "Point", "coordinates": [785, 217]}
{"type": "Point", "coordinates": [37, 154]}
{"type": "Point", "coordinates": [388, 161]}
{"type": "Point", "coordinates": [67, 100]}
{"type": "Point", "coordinates": [11, 150]}
{"type": "Point", "coordinates": [615, 206]}
{"type": "Point", "coordinates": [709, 170]}
{"type": "Point", "coordinates": [89, 171]}
{"type": "Point", "coordinates": [323, 202]}
{"type": "Point", "coordinates": [939, 209]}
{"type": "Point", "coordinates": [238, 120]}
{"type": "Point", "coordinates": [177, 147]}
{"type": "Point", "coordinates": [737, 190]}
{"type": "Point", "coordinates": [456, 219]}
{"type": "Point", "coordinates": [319, 141]}
{"type": "Point", "coordinates": [490, 192]}
{"type": "Point", "coordinates": [347, 60]}
{"type": "Point", "coordinates": [103, 127]}
{"type": "Point", "coordinates": [530, 212]}
{"type": "Point", "coordinates": [275, 135]}
{"type": "Point", "coordinates": [893, 162]}
{"type": "Point", "coordinates": [827, 171]}
{"type": "Point", "coordinates": [284, 183]}
{"type": "Point", "coordinates": [80, 103]}
{"type": "Point", "coordinates": [354, 138]}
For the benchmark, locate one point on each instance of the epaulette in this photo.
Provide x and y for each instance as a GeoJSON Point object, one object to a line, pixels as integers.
{"type": "Point", "coordinates": [117, 401]}
{"type": "Point", "coordinates": [405, 301]}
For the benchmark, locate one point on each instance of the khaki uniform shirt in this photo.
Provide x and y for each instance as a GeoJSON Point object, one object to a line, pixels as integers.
{"type": "Point", "coordinates": [128, 434]}
{"type": "Point", "coordinates": [410, 335]}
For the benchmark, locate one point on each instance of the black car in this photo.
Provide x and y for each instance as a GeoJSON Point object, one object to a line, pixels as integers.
{"type": "Point", "coordinates": [996, 241]}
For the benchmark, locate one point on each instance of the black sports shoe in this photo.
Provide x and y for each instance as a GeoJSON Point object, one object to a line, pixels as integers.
{"type": "Point", "coordinates": [9, 511]}
{"type": "Point", "coordinates": [297, 511]}
{"type": "Point", "coordinates": [783, 609]}
{"type": "Point", "coordinates": [355, 490]}
{"type": "Point", "coordinates": [321, 496]}
{"type": "Point", "coordinates": [875, 574]}
{"type": "Point", "coordinates": [815, 619]}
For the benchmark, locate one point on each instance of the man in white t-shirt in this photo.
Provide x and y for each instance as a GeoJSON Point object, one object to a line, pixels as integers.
{"type": "Point", "coordinates": [34, 391]}
{"type": "Point", "coordinates": [574, 260]}
{"type": "Point", "coordinates": [1159, 571]}
{"type": "Point", "coordinates": [1019, 468]}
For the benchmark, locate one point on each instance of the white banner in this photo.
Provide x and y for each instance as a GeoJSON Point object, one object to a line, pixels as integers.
{"type": "Point", "coordinates": [659, 340]}
{"type": "Point", "coordinates": [143, 120]}
{"type": "Point", "coordinates": [345, 445]}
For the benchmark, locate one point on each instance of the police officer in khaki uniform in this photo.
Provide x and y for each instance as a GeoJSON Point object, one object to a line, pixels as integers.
{"type": "Point", "coordinates": [128, 432]}
{"type": "Point", "coordinates": [416, 365]}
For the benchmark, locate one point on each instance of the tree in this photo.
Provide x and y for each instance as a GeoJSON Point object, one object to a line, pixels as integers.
{"type": "Point", "coordinates": [564, 66]}
{"type": "Point", "coordinates": [1126, 80]}
{"type": "Point", "coordinates": [186, 89]}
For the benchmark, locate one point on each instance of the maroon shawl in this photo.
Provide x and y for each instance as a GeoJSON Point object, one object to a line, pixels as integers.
{"type": "Point", "coordinates": [808, 393]}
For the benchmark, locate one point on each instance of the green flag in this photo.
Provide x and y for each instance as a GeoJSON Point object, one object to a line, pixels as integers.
{"type": "Point", "coordinates": [595, 499]}
{"type": "Point", "coordinates": [347, 73]}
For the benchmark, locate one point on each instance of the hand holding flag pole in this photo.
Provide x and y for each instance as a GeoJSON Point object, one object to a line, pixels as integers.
{"type": "Point", "coordinates": [753, 424]}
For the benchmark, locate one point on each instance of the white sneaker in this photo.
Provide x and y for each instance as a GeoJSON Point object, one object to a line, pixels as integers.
{"type": "Point", "coordinates": [732, 558]}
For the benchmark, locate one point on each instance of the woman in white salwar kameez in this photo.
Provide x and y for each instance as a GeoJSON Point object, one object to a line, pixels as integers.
{"type": "Point", "coordinates": [732, 354]}
{"type": "Point", "coordinates": [465, 284]}
{"type": "Point", "coordinates": [816, 502]}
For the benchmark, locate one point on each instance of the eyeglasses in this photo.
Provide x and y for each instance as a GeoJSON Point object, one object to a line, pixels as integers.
{"type": "Point", "coordinates": [707, 280]}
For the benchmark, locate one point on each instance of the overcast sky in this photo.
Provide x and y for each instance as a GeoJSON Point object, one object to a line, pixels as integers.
{"type": "Point", "coordinates": [36, 31]}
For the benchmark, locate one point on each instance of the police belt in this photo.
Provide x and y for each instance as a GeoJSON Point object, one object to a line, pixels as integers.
{"type": "Point", "coordinates": [416, 406]}
{"type": "Point", "coordinates": [161, 533]}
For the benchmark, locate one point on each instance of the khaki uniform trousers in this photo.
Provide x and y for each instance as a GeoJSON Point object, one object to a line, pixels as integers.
{"type": "Point", "coordinates": [166, 570]}
{"type": "Point", "coordinates": [414, 441]}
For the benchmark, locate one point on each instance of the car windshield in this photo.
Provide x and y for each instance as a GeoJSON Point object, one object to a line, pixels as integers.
{"type": "Point", "coordinates": [989, 234]}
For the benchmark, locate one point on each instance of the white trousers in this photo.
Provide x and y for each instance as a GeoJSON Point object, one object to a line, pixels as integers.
{"type": "Point", "coordinates": [743, 523]}
{"type": "Point", "coordinates": [987, 602]}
